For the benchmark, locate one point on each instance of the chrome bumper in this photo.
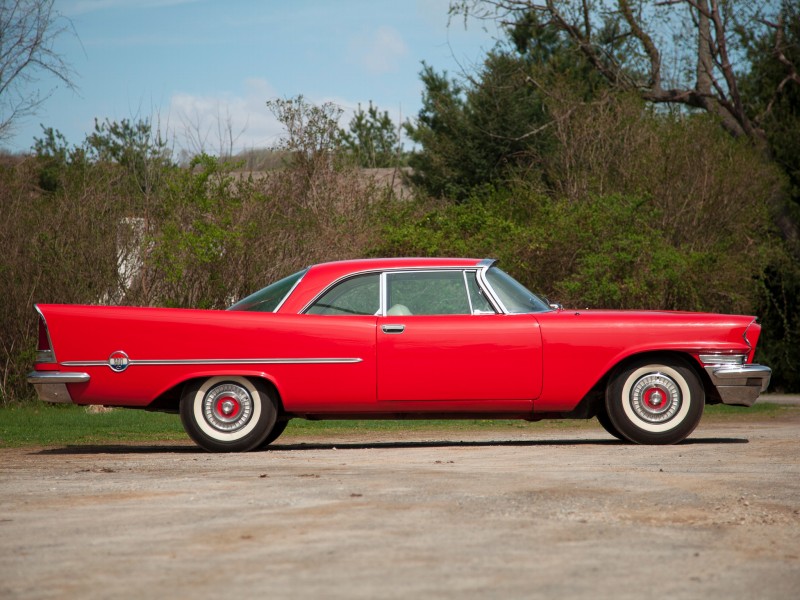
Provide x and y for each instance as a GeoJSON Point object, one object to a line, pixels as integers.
{"type": "Point", "coordinates": [740, 385]}
{"type": "Point", "coordinates": [51, 386]}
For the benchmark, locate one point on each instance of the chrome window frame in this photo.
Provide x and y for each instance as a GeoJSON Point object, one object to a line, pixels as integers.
{"type": "Point", "coordinates": [385, 284]}
{"type": "Point", "coordinates": [339, 281]}
{"type": "Point", "coordinates": [484, 281]}
{"type": "Point", "coordinates": [466, 288]}
{"type": "Point", "coordinates": [336, 282]}
{"type": "Point", "coordinates": [289, 293]}
{"type": "Point", "coordinates": [479, 269]}
{"type": "Point", "coordinates": [492, 296]}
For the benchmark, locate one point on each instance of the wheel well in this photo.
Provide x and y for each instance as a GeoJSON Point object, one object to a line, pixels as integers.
{"type": "Point", "coordinates": [169, 401]}
{"type": "Point", "coordinates": [594, 400]}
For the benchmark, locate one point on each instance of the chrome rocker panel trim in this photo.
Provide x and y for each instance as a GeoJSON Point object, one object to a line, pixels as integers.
{"type": "Point", "coordinates": [740, 385]}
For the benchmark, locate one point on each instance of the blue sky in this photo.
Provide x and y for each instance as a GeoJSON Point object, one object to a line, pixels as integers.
{"type": "Point", "coordinates": [198, 63]}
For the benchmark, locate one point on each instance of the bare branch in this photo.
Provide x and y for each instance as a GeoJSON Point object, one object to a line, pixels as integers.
{"type": "Point", "coordinates": [781, 56]}
{"type": "Point", "coordinates": [735, 106]}
{"type": "Point", "coordinates": [28, 32]}
{"type": "Point", "coordinates": [715, 86]}
{"type": "Point", "coordinates": [650, 48]}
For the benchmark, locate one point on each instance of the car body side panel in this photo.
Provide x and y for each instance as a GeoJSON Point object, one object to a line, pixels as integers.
{"type": "Point", "coordinates": [454, 358]}
{"type": "Point", "coordinates": [330, 365]}
{"type": "Point", "coordinates": [311, 360]}
{"type": "Point", "coordinates": [581, 347]}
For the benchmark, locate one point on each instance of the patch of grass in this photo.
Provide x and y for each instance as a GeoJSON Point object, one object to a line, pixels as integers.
{"type": "Point", "coordinates": [39, 424]}
{"type": "Point", "coordinates": [760, 410]}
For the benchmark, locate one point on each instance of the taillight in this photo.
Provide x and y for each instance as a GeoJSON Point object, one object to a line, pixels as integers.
{"type": "Point", "coordinates": [44, 348]}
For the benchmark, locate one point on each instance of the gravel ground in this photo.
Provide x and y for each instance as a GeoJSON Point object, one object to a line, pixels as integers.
{"type": "Point", "coordinates": [527, 514]}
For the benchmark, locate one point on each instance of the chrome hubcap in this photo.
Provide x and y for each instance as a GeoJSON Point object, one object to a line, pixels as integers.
{"type": "Point", "coordinates": [655, 398]}
{"type": "Point", "coordinates": [227, 407]}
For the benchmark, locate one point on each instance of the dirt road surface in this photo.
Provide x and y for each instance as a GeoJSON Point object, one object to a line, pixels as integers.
{"type": "Point", "coordinates": [559, 513]}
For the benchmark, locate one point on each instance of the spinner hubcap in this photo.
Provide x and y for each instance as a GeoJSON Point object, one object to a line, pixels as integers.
{"type": "Point", "coordinates": [655, 397]}
{"type": "Point", "coordinates": [227, 407]}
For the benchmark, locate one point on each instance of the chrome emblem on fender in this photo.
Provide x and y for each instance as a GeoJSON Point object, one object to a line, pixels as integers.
{"type": "Point", "coordinates": [118, 361]}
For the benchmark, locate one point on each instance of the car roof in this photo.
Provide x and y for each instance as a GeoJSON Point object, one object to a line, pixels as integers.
{"type": "Point", "coordinates": [321, 275]}
{"type": "Point", "coordinates": [367, 264]}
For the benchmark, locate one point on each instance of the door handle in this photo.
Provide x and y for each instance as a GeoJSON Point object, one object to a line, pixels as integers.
{"type": "Point", "coordinates": [393, 328]}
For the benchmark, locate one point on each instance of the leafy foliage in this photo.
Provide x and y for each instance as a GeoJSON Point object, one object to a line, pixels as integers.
{"type": "Point", "coordinates": [645, 210]}
{"type": "Point", "coordinates": [112, 220]}
{"type": "Point", "coordinates": [497, 124]}
{"type": "Point", "coordinates": [373, 139]}
{"type": "Point", "coordinates": [771, 91]}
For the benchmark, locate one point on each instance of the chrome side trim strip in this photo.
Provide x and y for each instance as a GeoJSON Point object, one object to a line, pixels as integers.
{"type": "Point", "coordinates": [217, 361]}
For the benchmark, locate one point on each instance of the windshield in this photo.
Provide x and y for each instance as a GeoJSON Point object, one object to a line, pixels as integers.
{"type": "Point", "coordinates": [514, 296]}
{"type": "Point", "coordinates": [269, 298]}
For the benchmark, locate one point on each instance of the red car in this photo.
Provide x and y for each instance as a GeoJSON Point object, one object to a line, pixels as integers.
{"type": "Point", "coordinates": [395, 339]}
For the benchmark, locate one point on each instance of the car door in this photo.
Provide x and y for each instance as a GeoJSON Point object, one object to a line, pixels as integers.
{"type": "Point", "coordinates": [441, 340]}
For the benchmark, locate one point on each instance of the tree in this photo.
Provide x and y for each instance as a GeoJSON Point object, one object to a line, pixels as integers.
{"type": "Point", "coordinates": [199, 137]}
{"type": "Point", "coordinates": [625, 41]}
{"type": "Point", "coordinates": [489, 126]}
{"type": "Point", "coordinates": [690, 54]}
{"type": "Point", "coordinates": [28, 32]}
{"type": "Point", "coordinates": [771, 91]}
{"type": "Point", "coordinates": [771, 88]}
{"type": "Point", "coordinates": [372, 138]}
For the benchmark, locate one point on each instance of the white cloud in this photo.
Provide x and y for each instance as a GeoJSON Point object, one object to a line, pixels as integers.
{"type": "Point", "coordinates": [215, 122]}
{"type": "Point", "coordinates": [381, 51]}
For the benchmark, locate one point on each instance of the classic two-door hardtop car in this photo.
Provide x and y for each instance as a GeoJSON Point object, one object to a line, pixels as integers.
{"type": "Point", "coordinates": [398, 338]}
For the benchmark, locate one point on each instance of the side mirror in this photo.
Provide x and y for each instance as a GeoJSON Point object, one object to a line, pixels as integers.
{"type": "Point", "coordinates": [553, 305]}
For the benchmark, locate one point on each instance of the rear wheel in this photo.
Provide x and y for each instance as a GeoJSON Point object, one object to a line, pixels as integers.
{"type": "Point", "coordinates": [653, 401]}
{"type": "Point", "coordinates": [228, 414]}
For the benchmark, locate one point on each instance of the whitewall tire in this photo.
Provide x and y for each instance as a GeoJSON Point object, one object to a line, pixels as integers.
{"type": "Point", "coordinates": [655, 401]}
{"type": "Point", "coordinates": [228, 413]}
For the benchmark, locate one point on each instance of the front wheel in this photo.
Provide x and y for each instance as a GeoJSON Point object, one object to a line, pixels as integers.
{"type": "Point", "coordinates": [228, 414]}
{"type": "Point", "coordinates": [655, 401]}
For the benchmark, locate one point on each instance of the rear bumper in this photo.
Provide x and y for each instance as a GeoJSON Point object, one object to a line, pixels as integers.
{"type": "Point", "coordinates": [51, 386]}
{"type": "Point", "coordinates": [740, 385]}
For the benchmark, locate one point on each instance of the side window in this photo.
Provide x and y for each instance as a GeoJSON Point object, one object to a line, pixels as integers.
{"type": "Point", "coordinates": [427, 293]}
{"type": "Point", "coordinates": [480, 305]}
{"type": "Point", "coordinates": [358, 295]}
